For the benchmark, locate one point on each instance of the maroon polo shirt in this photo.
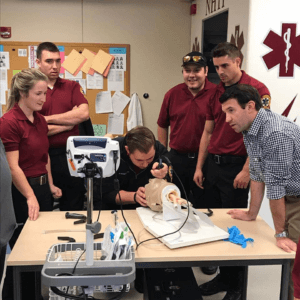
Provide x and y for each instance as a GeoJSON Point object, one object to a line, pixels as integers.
{"type": "Point", "coordinates": [62, 98]}
{"type": "Point", "coordinates": [185, 114]}
{"type": "Point", "coordinates": [30, 139]}
{"type": "Point", "coordinates": [224, 140]}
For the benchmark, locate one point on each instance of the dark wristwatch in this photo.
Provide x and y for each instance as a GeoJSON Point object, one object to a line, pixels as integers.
{"type": "Point", "coordinates": [282, 234]}
{"type": "Point", "coordinates": [134, 198]}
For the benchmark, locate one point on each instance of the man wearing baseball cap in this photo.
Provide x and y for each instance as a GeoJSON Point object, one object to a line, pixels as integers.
{"type": "Point", "coordinates": [184, 111]}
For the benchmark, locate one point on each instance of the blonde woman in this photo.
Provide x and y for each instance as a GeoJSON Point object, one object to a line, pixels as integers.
{"type": "Point", "coordinates": [24, 134]}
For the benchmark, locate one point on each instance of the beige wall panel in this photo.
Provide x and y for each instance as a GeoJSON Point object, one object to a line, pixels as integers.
{"type": "Point", "coordinates": [159, 35]}
{"type": "Point", "coordinates": [158, 31]}
{"type": "Point", "coordinates": [43, 20]}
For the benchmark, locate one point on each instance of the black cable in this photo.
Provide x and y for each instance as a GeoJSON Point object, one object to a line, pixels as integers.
{"type": "Point", "coordinates": [84, 296]}
{"type": "Point", "coordinates": [77, 261]}
{"type": "Point", "coordinates": [101, 177]}
{"type": "Point", "coordinates": [170, 164]}
{"type": "Point", "coordinates": [117, 187]}
{"type": "Point", "coordinates": [75, 268]}
{"type": "Point", "coordinates": [181, 185]}
{"type": "Point", "coordinates": [210, 211]}
{"type": "Point", "coordinates": [89, 159]}
{"type": "Point", "coordinates": [122, 212]}
{"type": "Point", "coordinates": [155, 238]}
{"type": "Point", "coordinates": [66, 295]}
{"type": "Point", "coordinates": [159, 237]}
{"type": "Point", "coordinates": [70, 296]}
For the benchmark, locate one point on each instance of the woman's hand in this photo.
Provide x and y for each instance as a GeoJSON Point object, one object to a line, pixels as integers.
{"type": "Point", "coordinates": [33, 208]}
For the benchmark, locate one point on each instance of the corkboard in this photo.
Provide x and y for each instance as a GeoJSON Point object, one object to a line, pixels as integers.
{"type": "Point", "coordinates": [19, 63]}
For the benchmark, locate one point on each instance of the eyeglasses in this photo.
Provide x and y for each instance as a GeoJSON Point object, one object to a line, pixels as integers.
{"type": "Point", "coordinates": [192, 58]}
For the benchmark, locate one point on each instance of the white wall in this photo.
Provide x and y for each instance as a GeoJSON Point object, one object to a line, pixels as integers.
{"type": "Point", "coordinates": [237, 15]}
{"type": "Point", "coordinates": [157, 31]}
{"type": "Point", "coordinates": [265, 16]}
{"type": "Point", "coordinates": [283, 89]}
{"type": "Point", "coordinates": [256, 18]}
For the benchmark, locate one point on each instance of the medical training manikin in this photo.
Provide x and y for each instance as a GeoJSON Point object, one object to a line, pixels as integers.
{"type": "Point", "coordinates": [159, 189]}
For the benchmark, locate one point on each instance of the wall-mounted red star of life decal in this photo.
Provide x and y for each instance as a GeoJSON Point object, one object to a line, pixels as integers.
{"type": "Point", "coordinates": [289, 107]}
{"type": "Point", "coordinates": [285, 51]}
{"type": "Point", "coordinates": [238, 40]}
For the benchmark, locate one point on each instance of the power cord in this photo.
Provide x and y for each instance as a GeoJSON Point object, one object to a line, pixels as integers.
{"type": "Point", "coordinates": [84, 296]}
{"type": "Point", "coordinates": [210, 211]}
{"type": "Point", "coordinates": [100, 172]}
{"type": "Point", "coordinates": [66, 295]}
{"type": "Point", "coordinates": [117, 187]}
{"type": "Point", "coordinates": [162, 236]}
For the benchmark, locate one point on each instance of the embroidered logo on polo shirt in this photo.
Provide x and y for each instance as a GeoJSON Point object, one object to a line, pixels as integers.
{"type": "Point", "coordinates": [124, 173]}
{"type": "Point", "coordinates": [266, 101]}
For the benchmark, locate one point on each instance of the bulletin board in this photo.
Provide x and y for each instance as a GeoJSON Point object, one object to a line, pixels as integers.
{"type": "Point", "coordinates": [21, 62]}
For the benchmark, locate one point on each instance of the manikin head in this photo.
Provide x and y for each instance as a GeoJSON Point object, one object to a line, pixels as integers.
{"type": "Point", "coordinates": [156, 190]}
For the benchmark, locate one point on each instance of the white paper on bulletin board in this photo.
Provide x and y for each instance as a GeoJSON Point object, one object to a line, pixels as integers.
{"type": "Point", "coordinates": [3, 85]}
{"type": "Point", "coordinates": [115, 124]}
{"type": "Point", "coordinates": [115, 80]}
{"type": "Point", "coordinates": [2, 97]}
{"type": "Point", "coordinates": [94, 81]}
{"type": "Point", "coordinates": [4, 60]}
{"type": "Point", "coordinates": [119, 102]}
{"type": "Point", "coordinates": [119, 62]}
{"type": "Point", "coordinates": [103, 102]}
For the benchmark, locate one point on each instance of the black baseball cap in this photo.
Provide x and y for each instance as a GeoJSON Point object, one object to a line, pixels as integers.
{"type": "Point", "coordinates": [196, 58]}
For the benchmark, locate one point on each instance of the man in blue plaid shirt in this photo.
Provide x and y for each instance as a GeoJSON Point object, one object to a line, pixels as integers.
{"type": "Point", "coordinates": [273, 145]}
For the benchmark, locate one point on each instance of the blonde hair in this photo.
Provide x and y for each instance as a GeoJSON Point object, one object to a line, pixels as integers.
{"type": "Point", "coordinates": [23, 82]}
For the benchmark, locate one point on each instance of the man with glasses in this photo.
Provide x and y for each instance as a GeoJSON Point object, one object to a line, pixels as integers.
{"type": "Point", "coordinates": [226, 182]}
{"type": "Point", "coordinates": [184, 110]}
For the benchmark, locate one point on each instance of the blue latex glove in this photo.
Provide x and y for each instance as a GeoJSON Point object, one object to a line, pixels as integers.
{"type": "Point", "coordinates": [236, 237]}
